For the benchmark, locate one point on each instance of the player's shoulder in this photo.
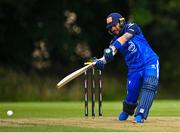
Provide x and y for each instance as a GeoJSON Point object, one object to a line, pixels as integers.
{"type": "Point", "coordinates": [133, 28]}
{"type": "Point", "coordinates": [132, 25]}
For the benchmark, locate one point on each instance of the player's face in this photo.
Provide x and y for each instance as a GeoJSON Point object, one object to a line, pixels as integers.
{"type": "Point", "coordinates": [115, 29]}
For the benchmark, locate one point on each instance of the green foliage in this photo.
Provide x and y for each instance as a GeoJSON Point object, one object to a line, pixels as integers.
{"type": "Point", "coordinates": [18, 86]}
{"type": "Point", "coordinates": [74, 32]}
{"type": "Point", "coordinates": [142, 13]}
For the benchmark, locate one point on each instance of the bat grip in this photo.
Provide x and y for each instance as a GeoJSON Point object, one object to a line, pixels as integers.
{"type": "Point", "coordinates": [103, 58]}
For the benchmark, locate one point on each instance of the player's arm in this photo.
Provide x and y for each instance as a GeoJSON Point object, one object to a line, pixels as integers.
{"type": "Point", "coordinates": [112, 50]}
{"type": "Point", "coordinates": [124, 38]}
{"type": "Point", "coordinates": [109, 53]}
{"type": "Point", "coordinates": [132, 30]}
{"type": "Point", "coordinates": [107, 56]}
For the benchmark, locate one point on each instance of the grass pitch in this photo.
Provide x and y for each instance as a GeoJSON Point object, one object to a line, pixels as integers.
{"type": "Point", "coordinates": [69, 116]}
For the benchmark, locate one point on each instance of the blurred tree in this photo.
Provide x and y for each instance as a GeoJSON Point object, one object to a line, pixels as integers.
{"type": "Point", "coordinates": [160, 21]}
{"type": "Point", "coordinates": [73, 31]}
{"type": "Point", "coordinates": [14, 38]}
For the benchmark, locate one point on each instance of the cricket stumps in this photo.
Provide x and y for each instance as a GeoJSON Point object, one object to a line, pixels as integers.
{"type": "Point", "coordinates": [92, 79]}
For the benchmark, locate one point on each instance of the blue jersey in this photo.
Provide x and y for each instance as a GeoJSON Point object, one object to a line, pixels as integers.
{"type": "Point", "coordinates": [136, 51]}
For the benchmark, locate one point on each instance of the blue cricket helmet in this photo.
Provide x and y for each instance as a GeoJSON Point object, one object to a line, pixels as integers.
{"type": "Point", "coordinates": [114, 18]}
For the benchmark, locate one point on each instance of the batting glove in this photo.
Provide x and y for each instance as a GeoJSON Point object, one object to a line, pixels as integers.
{"type": "Point", "coordinates": [108, 54]}
{"type": "Point", "coordinates": [99, 63]}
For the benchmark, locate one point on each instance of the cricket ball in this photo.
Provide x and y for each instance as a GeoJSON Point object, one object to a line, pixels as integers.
{"type": "Point", "coordinates": [9, 113]}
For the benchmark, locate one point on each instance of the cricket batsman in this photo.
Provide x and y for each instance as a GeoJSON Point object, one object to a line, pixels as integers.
{"type": "Point", "coordinates": [142, 63]}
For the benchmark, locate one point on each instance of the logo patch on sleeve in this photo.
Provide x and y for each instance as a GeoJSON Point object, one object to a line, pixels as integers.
{"type": "Point", "coordinates": [109, 20]}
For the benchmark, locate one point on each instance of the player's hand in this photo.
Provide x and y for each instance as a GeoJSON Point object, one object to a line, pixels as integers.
{"type": "Point", "coordinates": [108, 54]}
{"type": "Point", "coordinates": [99, 63]}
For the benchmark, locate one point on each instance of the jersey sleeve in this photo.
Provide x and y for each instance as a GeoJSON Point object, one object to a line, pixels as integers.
{"type": "Point", "coordinates": [133, 29]}
{"type": "Point", "coordinates": [113, 40]}
{"type": "Point", "coordinates": [116, 44]}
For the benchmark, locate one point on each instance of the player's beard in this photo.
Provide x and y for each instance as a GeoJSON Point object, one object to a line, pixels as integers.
{"type": "Point", "coordinates": [117, 31]}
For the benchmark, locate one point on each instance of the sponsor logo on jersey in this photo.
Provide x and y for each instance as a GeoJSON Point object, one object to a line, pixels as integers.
{"type": "Point", "coordinates": [153, 66]}
{"type": "Point", "coordinates": [132, 47]}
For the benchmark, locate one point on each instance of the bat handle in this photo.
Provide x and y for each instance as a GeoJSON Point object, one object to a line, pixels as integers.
{"type": "Point", "coordinates": [103, 58]}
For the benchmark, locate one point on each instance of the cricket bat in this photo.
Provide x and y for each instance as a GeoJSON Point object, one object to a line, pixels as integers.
{"type": "Point", "coordinates": [73, 75]}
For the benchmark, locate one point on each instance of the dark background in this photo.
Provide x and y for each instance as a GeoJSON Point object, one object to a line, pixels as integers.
{"type": "Point", "coordinates": [41, 41]}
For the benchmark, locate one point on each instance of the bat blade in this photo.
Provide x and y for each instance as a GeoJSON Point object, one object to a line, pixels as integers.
{"type": "Point", "coordinates": [73, 75]}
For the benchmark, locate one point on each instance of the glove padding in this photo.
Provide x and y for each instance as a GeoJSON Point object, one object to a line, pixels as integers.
{"type": "Point", "coordinates": [99, 63]}
{"type": "Point", "coordinates": [108, 54]}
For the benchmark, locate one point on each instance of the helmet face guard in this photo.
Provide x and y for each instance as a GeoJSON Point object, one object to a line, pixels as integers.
{"type": "Point", "coordinates": [113, 19]}
{"type": "Point", "coordinates": [121, 22]}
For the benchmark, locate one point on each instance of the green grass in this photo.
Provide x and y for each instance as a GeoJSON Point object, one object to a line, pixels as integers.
{"type": "Point", "coordinates": [52, 128]}
{"type": "Point", "coordinates": [166, 108]}
{"type": "Point", "coordinates": [74, 109]}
